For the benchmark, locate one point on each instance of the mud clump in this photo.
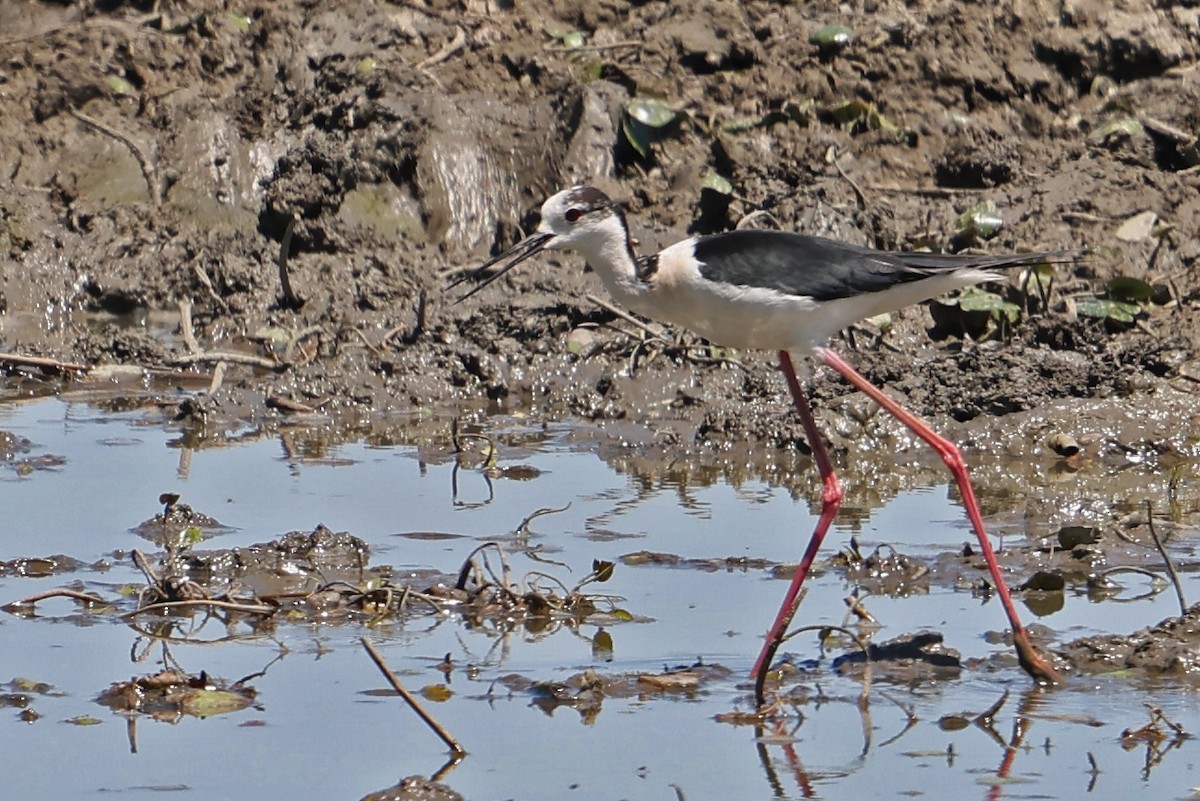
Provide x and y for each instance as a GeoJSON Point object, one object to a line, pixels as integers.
{"type": "Point", "coordinates": [1168, 647]}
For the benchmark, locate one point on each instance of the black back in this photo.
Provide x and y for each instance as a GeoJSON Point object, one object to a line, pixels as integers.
{"type": "Point", "coordinates": [824, 269]}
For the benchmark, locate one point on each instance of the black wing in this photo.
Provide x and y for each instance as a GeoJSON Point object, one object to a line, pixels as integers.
{"type": "Point", "coordinates": [825, 269]}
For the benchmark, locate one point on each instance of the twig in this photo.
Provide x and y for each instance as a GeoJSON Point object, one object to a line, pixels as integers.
{"type": "Point", "coordinates": [626, 316]}
{"type": "Point", "coordinates": [928, 191]}
{"type": "Point", "coordinates": [203, 278]}
{"type": "Point", "coordinates": [1166, 129]}
{"type": "Point", "coordinates": [1170, 567]}
{"type": "Point", "coordinates": [42, 363]}
{"type": "Point", "coordinates": [285, 404]}
{"type": "Point", "coordinates": [218, 377]}
{"type": "Point", "coordinates": [228, 356]}
{"type": "Point", "coordinates": [185, 327]}
{"type": "Point", "coordinates": [454, 45]}
{"type": "Point", "coordinates": [465, 571]}
{"type": "Point", "coordinates": [862, 198]}
{"type": "Point", "coordinates": [148, 170]}
{"type": "Point", "coordinates": [290, 298]}
{"type": "Point", "coordinates": [859, 641]}
{"type": "Point", "coordinates": [418, 326]}
{"type": "Point", "coordinates": [143, 564]}
{"type": "Point", "coordinates": [410, 699]}
{"type": "Point", "coordinates": [750, 218]}
{"type": "Point", "coordinates": [988, 716]}
{"type": "Point", "coordinates": [523, 528]}
{"type": "Point", "coordinates": [233, 606]}
{"type": "Point", "coordinates": [137, 24]}
{"type": "Point", "coordinates": [59, 593]}
{"type": "Point", "coordinates": [583, 47]}
{"type": "Point", "coordinates": [303, 334]}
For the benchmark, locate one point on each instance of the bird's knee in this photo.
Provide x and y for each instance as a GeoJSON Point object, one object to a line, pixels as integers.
{"type": "Point", "coordinates": [952, 456]}
{"type": "Point", "coordinates": [832, 492]}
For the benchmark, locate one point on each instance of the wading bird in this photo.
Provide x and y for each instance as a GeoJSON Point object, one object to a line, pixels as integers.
{"type": "Point", "coordinates": [779, 291]}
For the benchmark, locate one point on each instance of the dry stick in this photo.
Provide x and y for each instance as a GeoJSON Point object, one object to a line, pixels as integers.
{"type": "Point", "coordinates": [228, 356]}
{"type": "Point", "coordinates": [59, 593]}
{"type": "Point", "coordinates": [300, 336]}
{"type": "Point", "coordinates": [585, 47]}
{"type": "Point", "coordinates": [1170, 567]}
{"type": "Point", "coordinates": [185, 327]}
{"type": "Point", "coordinates": [523, 528]}
{"type": "Point", "coordinates": [217, 378]}
{"type": "Point", "coordinates": [292, 300]}
{"type": "Point", "coordinates": [148, 171]}
{"type": "Point", "coordinates": [42, 363]}
{"type": "Point", "coordinates": [868, 662]}
{"type": "Point", "coordinates": [203, 278]}
{"type": "Point", "coordinates": [626, 316]}
{"type": "Point", "coordinates": [285, 404]}
{"type": "Point", "coordinates": [927, 191]}
{"type": "Point", "coordinates": [858, 193]}
{"type": "Point", "coordinates": [233, 606]}
{"type": "Point", "coordinates": [418, 326]}
{"type": "Point", "coordinates": [455, 44]}
{"type": "Point", "coordinates": [411, 700]}
{"type": "Point", "coordinates": [143, 564]}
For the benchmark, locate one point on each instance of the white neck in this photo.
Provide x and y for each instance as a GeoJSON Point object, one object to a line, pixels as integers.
{"type": "Point", "coordinates": [607, 251]}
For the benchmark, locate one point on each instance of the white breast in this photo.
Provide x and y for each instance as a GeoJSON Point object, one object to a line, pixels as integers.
{"type": "Point", "coordinates": [753, 317]}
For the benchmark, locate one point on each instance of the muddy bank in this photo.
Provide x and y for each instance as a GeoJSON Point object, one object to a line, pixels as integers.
{"type": "Point", "coordinates": [157, 154]}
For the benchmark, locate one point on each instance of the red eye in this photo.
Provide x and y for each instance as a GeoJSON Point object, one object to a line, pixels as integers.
{"type": "Point", "coordinates": [573, 215]}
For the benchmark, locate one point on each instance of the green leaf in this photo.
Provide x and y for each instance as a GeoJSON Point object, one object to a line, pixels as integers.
{"type": "Point", "coordinates": [1131, 290]}
{"type": "Point", "coordinates": [856, 112]}
{"type": "Point", "coordinates": [799, 112]}
{"type": "Point", "coordinates": [831, 37]}
{"type": "Point", "coordinates": [982, 220]}
{"type": "Point", "coordinates": [602, 569]}
{"type": "Point", "coordinates": [574, 39]}
{"type": "Point", "coordinates": [204, 703]}
{"type": "Point", "coordinates": [602, 646]}
{"type": "Point", "coordinates": [650, 111]}
{"type": "Point", "coordinates": [119, 86]}
{"type": "Point", "coordinates": [1104, 309]}
{"type": "Point", "coordinates": [1038, 275]}
{"type": "Point", "coordinates": [637, 135]}
{"type": "Point", "coordinates": [1126, 126]}
{"type": "Point", "coordinates": [743, 124]}
{"type": "Point", "coordinates": [594, 71]}
{"type": "Point", "coordinates": [980, 300]}
{"type": "Point", "coordinates": [436, 693]}
{"type": "Point", "coordinates": [717, 183]}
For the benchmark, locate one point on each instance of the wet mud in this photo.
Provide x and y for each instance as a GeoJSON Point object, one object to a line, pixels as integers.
{"type": "Point", "coordinates": [263, 207]}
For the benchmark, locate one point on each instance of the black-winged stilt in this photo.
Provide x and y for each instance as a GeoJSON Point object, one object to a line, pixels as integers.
{"type": "Point", "coordinates": [778, 291]}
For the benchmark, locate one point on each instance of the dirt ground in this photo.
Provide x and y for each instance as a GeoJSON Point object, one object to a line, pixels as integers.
{"type": "Point", "coordinates": [155, 152]}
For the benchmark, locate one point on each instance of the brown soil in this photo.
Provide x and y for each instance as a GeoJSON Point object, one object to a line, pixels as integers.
{"type": "Point", "coordinates": [156, 151]}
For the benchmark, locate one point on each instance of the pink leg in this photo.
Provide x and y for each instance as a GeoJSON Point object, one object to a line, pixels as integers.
{"type": "Point", "coordinates": [831, 499]}
{"type": "Point", "coordinates": [1033, 662]}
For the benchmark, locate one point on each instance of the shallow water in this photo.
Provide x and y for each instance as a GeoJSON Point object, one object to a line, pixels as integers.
{"type": "Point", "coordinates": [320, 730]}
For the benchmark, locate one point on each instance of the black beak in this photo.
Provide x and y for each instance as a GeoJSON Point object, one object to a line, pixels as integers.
{"type": "Point", "coordinates": [529, 246]}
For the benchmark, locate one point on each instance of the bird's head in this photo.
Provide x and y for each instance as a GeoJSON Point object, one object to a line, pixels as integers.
{"type": "Point", "coordinates": [579, 217]}
{"type": "Point", "coordinates": [582, 219]}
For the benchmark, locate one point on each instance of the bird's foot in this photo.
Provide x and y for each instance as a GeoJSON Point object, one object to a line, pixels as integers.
{"type": "Point", "coordinates": [1033, 662]}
